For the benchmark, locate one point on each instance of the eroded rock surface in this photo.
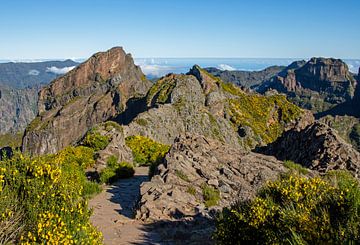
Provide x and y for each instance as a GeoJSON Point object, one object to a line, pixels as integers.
{"type": "Point", "coordinates": [92, 93]}
{"type": "Point", "coordinates": [194, 163]}
{"type": "Point", "coordinates": [317, 147]}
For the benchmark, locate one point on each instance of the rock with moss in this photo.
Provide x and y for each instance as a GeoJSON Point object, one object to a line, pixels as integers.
{"type": "Point", "coordinates": [203, 104]}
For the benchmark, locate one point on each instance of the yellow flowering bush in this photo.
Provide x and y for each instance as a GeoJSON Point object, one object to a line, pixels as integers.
{"type": "Point", "coordinates": [53, 190]}
{"type": "Point", "coordinates": [296, 210]}
{"type": "Point", "coordinates": [147, 152]}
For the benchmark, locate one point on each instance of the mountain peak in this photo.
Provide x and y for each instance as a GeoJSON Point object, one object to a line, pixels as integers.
{"type": "Point", "coordinates": [93, 92]}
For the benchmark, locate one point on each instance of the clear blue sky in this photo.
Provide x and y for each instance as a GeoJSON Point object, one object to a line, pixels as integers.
{"type": "Point", "coordinates": [180, 28]}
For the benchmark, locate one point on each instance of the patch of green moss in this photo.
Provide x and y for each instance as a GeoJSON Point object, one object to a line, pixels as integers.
{"type": "Point", "coordinates": [109, 125]}
{"type": "Point", "coordinates": [161, 90]}
{"type": "Point", "coordinates": [142, 122]}
{"type": "Point", "coordinates": [34, 124]}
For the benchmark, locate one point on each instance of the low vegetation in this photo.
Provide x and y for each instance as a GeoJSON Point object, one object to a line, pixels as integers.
{"type": "Point", "coordinates": [296, 210]}
{"type": "Point", "coordinates": [295, 167]}
{"type": "Point", "coordinates": [161, 90]}
{"type": "Point", "coordinates": [211, 195]}
{"type": "Point", "coordinates": [11, 140]}
{"type": "Point", "coordinates": [95, 140]}
{"type": "Point", "coordinates": [265, 115]}
{"type": "Point", "coordinates": [44, 199]}
{"type": "Point", "coordinates": [116, 170]}
{"type": "Point", "coordinates": [147, 152]}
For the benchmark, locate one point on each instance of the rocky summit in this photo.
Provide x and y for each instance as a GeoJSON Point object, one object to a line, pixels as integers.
{"type": "Point", "coordinates": [93, 92]}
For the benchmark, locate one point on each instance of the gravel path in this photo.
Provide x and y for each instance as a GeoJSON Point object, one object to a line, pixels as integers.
{"type": "Point", "coordinates": [114, 211]}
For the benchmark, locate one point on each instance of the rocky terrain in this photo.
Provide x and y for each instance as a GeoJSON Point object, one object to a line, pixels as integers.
{"type": "Point", "coordinates": [317, 147]}
{"type": "Point", "coordinates": [225, 142]}
{"type": "Point", "coordinates": [195, 162]}
{"type": "Point", "coordinates": [92, 93]}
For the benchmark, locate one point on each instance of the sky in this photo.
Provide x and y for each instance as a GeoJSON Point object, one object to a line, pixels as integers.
{"type": "Point", "coordinates": [40, 29]}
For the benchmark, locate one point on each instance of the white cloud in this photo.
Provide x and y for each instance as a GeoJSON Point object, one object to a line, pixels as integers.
{"type": "Point", "coordinates": [59, 71]}
{"type": "Point", "coordinates": [33, 72]}
{"type": "Point", "coordinates": [156, 70]}
{"type": "Point", "coordinates": [225, 67]}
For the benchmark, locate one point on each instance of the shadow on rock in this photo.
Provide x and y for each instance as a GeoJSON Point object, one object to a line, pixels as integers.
{"type": "Point", "coordinates": [190, 230]}
{"type": "Point", "coordinates": [126, 193]}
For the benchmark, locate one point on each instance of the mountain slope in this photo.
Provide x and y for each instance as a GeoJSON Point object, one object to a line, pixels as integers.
{"type": "Point", "coordinates": [92, 93]}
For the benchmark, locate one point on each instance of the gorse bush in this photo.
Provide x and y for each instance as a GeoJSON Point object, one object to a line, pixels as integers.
{"type": "Point", "coordinates": [147, 152]}
{"type": "Point", "coordinates": [296, 210]}
{"type": "Point", "coordinates": [45, 198]}
{"type": "Point", "coordinates": [115, 170]}
{"type": "Point", "coordinates": [95, 140]}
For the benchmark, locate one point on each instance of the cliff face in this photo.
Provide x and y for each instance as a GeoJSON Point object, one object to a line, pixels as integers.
{"type": "Point", "coordinates": [17, 108]}
{"type": "Point", "coordinates": [318, 85]}
{"type": "Point", "coordinates": [92, 93]}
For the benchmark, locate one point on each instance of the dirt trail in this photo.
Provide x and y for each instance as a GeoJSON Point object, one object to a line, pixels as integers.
{"type": "Point", "coordinates": [114, 210]}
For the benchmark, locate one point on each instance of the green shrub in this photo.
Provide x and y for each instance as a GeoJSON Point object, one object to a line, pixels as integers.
{"type": "Point", "coordinates": [147, 152]}
{"type": "Point", "coordinates": [95, 140]}
{"type": "Point", "coordinates": [115, 170]}
{"type": "Point", "coordinates": [296, 210]}
{"type": "Point", "coordinates": [109, 125]}
{"type": "Point", "coordinates": [53, 190]}
{"type": "Point", "coordinates": [211, 195]}
{"type": "Point", "coordinates": [295, 166]}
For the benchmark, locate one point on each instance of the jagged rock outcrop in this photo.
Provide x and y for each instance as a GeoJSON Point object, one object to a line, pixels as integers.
{"type": "Point", "coordinates": [202, 104]}
{"type": "Point", "coordinates": [17, 108]}
{"type": "Point", "coordinates": [92, 93]}
{"type": "Point", "coordinates": [317, 147]}
{"type": "Point", "coordinates": [195, 163]}
{"type": "Point", "coordinates": [116, 146]}
{"type": "Point", "coordinates": [318, 85]}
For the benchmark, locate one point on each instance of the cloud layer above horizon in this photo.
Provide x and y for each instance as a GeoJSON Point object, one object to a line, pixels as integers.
{"type": "Point", "coordinates": [59, 71]}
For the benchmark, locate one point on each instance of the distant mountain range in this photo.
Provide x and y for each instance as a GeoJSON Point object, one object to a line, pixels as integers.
{"type": "Point", "coordinates": [24, 75]}
{"type": "Point", "coordinates": [19, 87]}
